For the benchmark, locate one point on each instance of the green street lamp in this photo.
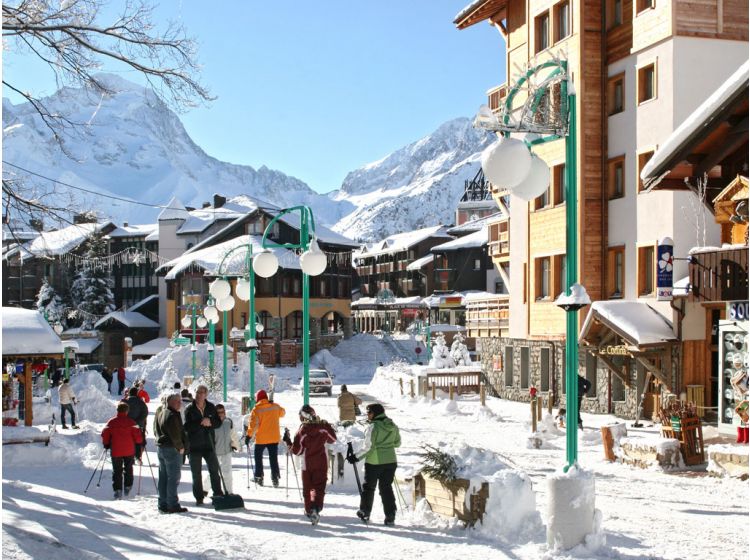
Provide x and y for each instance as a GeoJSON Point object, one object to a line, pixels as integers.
{"type": "Point", "coordinates": [192, 320]}
{"type": "Point", "coordinates": [423, 331]}
{"type": "Point", "coordinates": [313, 262]}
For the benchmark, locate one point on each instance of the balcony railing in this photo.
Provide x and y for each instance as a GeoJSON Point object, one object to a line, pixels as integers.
{"type": "Point", "coordinates": [719, 275]}
{"type": "Point", "coordinates": [496, 96]}
{"type": "Point", "coordinates": [487, 316]}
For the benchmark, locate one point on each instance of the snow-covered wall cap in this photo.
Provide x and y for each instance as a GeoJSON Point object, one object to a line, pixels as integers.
{"type": "Point", "coordinates": [710, 249]}
{"type": "Point", "coordinates": [697, 119]}
{"type": "Point", "coordinates": [578, 296]}
{"type": "Point", "coordinates": [636, 320]}
{"type": "Point", "coordinates": [175, 210]}
{"type": "Point", "coordinates": [26, 332]}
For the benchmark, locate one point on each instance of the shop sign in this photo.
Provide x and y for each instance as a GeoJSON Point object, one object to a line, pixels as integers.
{"type": "Point", "coordinates": [325, 304]}
{"type": "Point", "coordinates": [620, 350]}
{"type": "Point", "coordinates": [738, 311]}
{"type": "Point", "coordinates": [409, 313]}
{"type": "Point", "coordinates": [664, 275]}
{"type": "Point", "coordinates": [455, 301]}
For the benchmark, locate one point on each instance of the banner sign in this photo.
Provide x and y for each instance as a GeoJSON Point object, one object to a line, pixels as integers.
{"type": "Point", "coordinates": [455, 301]}
{"type": "Point", "coordinates": [664, 275]}
{"type": "Point", "coordinates": [738, 311]}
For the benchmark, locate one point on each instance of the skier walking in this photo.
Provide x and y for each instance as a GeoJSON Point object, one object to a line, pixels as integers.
{"type": "Point", "coordinates": [67, 400]}
{"type": "Point", "coordinates": [310, 442]}
{"type": "Point", "coordinates": [201, 420]}
{"type": "Point", "coordinates": [121, 436]}
{"type": "Point", "coordinates": [348, 403]}
{"type": "Point", "coordinates": [379, 452]}
{"type": "Point", "coordinates": [264, 427]}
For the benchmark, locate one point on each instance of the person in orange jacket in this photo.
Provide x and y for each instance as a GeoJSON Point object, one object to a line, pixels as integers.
{"type": "Point", "coordinates": [264, 427]}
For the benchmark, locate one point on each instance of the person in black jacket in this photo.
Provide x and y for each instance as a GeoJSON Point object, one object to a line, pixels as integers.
{"type": "Point", "coordinates": [200, 421]}
{"type": "Point", "coordinates": [138, 411]}
{"type": "Point", "coordinates": [169, 448]}
{"type": "Point", "coordinates": [583, 387]}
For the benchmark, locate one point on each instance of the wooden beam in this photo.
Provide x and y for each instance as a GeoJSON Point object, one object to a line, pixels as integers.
{"type": "Point", "coordinates": [27, 394]}
{"type": "Point", "coordinates": [734, 140]}
{"type": "Point", "coordinates": [615, 369]}
{"type": "Point", "coordinates": [657, 372]}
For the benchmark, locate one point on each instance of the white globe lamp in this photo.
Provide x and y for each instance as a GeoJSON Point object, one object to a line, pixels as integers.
{"type": "Point", "coordinates": [242, 289]}
{"type": "Point", "coordinates": [225, 303]}
{"type": "Point", "coordinates": [536, 182]}
{"type": "Point", "coordinates": [219, 288]}
{"type": "Point", "coordinates": [265, 264]}
{"type": "Point", "coordinates": [211, 314]}
{"type": "Point", "coordinates": [186, 322]}
{"type": "Point", "coordinates": [506, 162]}
{"type": "Point", "coordinates": [202, 322]}
{"type": "Point", "coordinates": [313, 261]}
{"type": "Point", "coordinates": [259, 327]}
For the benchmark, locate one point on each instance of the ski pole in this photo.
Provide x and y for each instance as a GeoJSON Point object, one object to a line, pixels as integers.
{"type": "Point", "coordinates": [101, 473]}
{"type": "Point", "coordinates": [248, 466]}
{"type": "Point", "coordinates": [349, 454]}
{"type": "Point", "coordinates": [287, 473]}
{"type": "Point", "coordinates": [101, 458]}
{"type": "Point", "coordinates": [400, 494]}
{"type": "Point", "coordinates": [297, 481]}
{"type": "Point", "coordinates": [156, 486]}
{"type": "Point", "coordinates": [140, 472]}
{"type": "Point", "coordinates": [252, 466]}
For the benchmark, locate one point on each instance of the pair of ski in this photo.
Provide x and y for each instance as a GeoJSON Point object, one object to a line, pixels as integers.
{"type": "Point", "coordinates": [349, 455]}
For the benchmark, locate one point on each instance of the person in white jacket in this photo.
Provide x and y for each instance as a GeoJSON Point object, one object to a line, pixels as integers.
{"type": "Point", "coordinates": [226, 441]}
{"type": "Point", "coordinates": [67, 400]}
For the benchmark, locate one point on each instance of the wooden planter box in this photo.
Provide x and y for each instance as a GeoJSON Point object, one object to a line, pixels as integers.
{"type": "Point", "coordinates": [449, 499]}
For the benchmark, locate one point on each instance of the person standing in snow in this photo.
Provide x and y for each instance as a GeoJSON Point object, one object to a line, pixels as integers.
{"type": "Point", "coordinates": [264, 427]}
{"type": "Point", "coordinates": [67, 400]}
{"type": "Point", "coordinates": [138, 411]}
{"type": "Point", "coordinates": [348, 403]}
{"type": "Point", "coordinates": [120, 380]}
{"type": "Point", "coordinates": [142, 392]}
{"type": "Point", "coordinates": [107, 375]}
{"type": "Point", "coordinates": [310, 442]}
{"type": "Point", "coordinates": [169, 448]}
{"type": "Point", "coordinates": [226, 442]}
{"type": "Point", "coordinates": [382, 437]}
{"type": "Point", "coordinates": [122, 436]}
{"type": "Point", "coordinates": [201, 420]}
{"type": "Point", "coordinates": [583, 388]}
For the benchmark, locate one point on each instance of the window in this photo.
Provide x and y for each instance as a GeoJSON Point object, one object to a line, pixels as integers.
{"type": "Point", "coordinates": [591, 363]}
{"type": "Point", "coordinates": [616, 177]}
{"type": "Point", "coordinates": [646, 270]}
{"type": "Point", "coordinates": [525, 367]}
{"type": "Point", "coordinates": [642, 161]}
{"type": "Point", "coordinates": [646, 83]}
{"type": "Point", "coordinates": [562, 20]}
{"type": "Point", "coordinates": [477, 264]}
{"type": "Point", "coordinates": [542, 201]}
{"type": "Point", "coordinates": [544, 369]}
{"type": "Point", "coordinates": [508, 366]}
{"type": "Point", "coordinates": [616, 272]}
{"type": "Point", "coordinates": [560, 268]}
{"type": "Point", "coordinates": [616, 13]}
{"type": "Point", "coordinates": [541, 30]}
{"type": "Point", "coordinates": [542, 278]}
{"type": "Point", "coordinates": [558, 184]}
{"type": "Point", "coordinates": [616, 94]}
{"type": "Point", "coordinates": [641, 5]}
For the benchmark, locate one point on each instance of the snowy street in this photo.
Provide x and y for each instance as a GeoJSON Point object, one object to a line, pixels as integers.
{"type": "Point", "coordinates": [645, 513]}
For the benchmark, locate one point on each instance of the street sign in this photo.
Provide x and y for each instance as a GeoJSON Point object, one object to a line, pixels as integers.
{"type": "Point", "coordinates": [181, 341]}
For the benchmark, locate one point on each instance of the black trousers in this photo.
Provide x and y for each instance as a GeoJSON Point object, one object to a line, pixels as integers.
{"type": "Point", "coordinates": [120, 466]}
{"type": "Point", "coordinates": [382, 477]}
{"type": "Point", "coordinates": [273, 459]}
{"type": "Point", "coordinates": [196, 465]}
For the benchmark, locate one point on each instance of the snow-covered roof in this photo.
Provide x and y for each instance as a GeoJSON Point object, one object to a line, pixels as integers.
{"type": "Point", "coordinates": [420, 263]}
{"type": "Point", "coordinates": [411, 301]}
{"type": "Point", "coordinates": [209, 258]}
{"type": "Point", "coordinates": [153, 236]}
{"type": "Point", "coordinates": [401, 241]}
{"type": "Point", "coordinates": [134, 230]}
{"type": "Point", "coordinates": [324, 234]}
{"type": "Point", "coordinates": [136, 306]}
{"type": "Point", "coordinates": [636, 321]}
{"type": "Point", "coordinates": [700, 119]}
{"type": "Point", "coordinates": [85, 345]}
{"type": "Point", "coordinates": [26, 332]}
{"type": "Point", "coordinates": [475, 225]}
{"type": "Point", "coordinates": [434, 300]}
{"type": "Point", "coordinates": [151, 348]}
{"type": "Point", "coordinates": [59, 242]}
{"type": "Point", "coordinates": [131, 319]}
{"type": "Point", "coordinates": [471, 241]}
{"type": "Point", "coordinates": [175, 210]}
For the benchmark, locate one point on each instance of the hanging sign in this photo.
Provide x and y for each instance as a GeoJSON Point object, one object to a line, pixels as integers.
{"type": "Point", "coordinates": [738, 311]}
{"type": "Point", "coordinates": [664, 275]}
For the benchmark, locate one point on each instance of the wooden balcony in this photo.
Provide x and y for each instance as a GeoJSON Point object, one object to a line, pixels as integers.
{"type": "Point", "coordinates": [488, 317]}
{"type": "Point", "coordinates": [496, 97]}
{"type": "Point", "coordinates": [719, 275]}
{"type": "Point", "coordinates": [498, 246]}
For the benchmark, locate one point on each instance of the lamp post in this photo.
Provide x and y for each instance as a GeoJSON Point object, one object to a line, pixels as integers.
{"type": "Point", "coordinates": [58, 328]}
{"type": "Point", "coordinates": [193, 321]}
{"type": "Point", "coordinates": [509, 163]}
{"type": "Point", "coordinates": [423, 333]}
{"type": "Point", "coordinates": [313, 263]}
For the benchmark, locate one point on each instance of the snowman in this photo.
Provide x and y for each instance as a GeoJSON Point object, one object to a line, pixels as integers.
{"type": "Point", "coordinates": [459, 351]}
{"type": "Point", "coordinates": [441, 355]}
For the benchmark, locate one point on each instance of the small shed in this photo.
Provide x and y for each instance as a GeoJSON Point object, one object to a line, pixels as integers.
{"type": "Point", "coordinates": [118, 326]}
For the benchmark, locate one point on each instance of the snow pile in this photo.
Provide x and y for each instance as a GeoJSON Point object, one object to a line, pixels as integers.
{"type": "Point", "coordinates": [325, 360]}
{"type": "Point", "coordinates": [573, 522]}
{"type": "Point", "coordinates": [69, 449]}
{"type": "Point", "coordinates": [385, 382]}
{"type": "Point", "coordinates": [94, 402]}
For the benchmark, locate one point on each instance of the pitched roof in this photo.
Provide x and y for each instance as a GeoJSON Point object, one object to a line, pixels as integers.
{"type": "Point", "coordinates": [131, 319]}
{"type": "Point", "coordinates": [401, 241]}
{"type": "Point", "coordinates": [26, 332]}
{"type": "Point", "coordinates": [471, 241]}
{"type": "Point", "coordinates": [635, 321]}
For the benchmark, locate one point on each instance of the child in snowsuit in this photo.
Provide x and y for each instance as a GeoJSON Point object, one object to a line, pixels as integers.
{"type": "Point", "coordinates": [310, 443]}
{"type": "Point", "coordinates": [225, 441]}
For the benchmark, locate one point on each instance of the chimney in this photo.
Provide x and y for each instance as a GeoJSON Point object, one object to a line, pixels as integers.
{"type": "Point", "coordinates": [205, 205]}
{"type": "Point", "coordinates": [124, 224]}
{"type": "Point", "coordinates": [219, 200]}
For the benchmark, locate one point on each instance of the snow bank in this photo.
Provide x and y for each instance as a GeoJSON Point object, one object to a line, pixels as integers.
{"type": "Point", "coordinates": [572, 519]}
{"type": "Point", "coordinates": [83, 447]}
{"type": "Point", "coordinates": [94, 401]}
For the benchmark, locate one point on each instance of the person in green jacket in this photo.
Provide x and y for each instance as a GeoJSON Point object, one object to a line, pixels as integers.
{"type": "Point", "coordinates": [379, 452]}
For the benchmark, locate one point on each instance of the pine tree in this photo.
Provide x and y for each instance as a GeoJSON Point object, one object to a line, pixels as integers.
{"type": "Point", "coordinates": [92, 289]}
{"type": "Point", "coordinates": [48, 302]}
{"type": "Point", "coordinates": [438, 464]}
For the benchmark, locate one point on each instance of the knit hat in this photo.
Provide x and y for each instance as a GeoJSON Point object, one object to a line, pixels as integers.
{"type": "Point", "coordinates": [307, 412]}
{"type": "Point", "coordinates": [133, 392]}
{"type": "Point", "coordinates": [261, 395]}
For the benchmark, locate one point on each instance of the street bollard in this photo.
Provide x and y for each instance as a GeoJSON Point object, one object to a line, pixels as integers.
{"type": "Point", "coordinates": [450, 391]}
{"type": "Point", "coordinates": [433, 390]}
{"type": "Point", "coordinates": [481, 394]}
{"type": "Point", "coordinates": [411, 388]}
{"type": "Point", "coordinates": [401, 386]}
{"type": "Point", "coordinates": [533, 414]}
{"type": "Point", "coordinates": [539, 409]}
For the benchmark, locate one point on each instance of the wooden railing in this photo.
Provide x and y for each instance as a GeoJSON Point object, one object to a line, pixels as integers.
{"type": "Point", "coordinates": [496, 97]}
{"type": "Point", "coordinates": [463, 382]}
{"type": "Point", "coordinates": [487, 316]}
{"type": "Point", "coordinates": [719, 275]}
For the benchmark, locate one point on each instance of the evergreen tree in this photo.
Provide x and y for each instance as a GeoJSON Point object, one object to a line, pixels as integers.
{"type": "Point", "coordinates": [92, 289]}
{"type": "Point", "coordinates": [47, 301]}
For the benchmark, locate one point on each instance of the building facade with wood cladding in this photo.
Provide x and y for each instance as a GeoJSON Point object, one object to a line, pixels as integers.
{"type": "Point", "coordinates": [640, 68]}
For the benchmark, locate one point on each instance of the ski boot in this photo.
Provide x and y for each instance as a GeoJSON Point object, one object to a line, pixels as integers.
{"type": "Point", "coordinates": [118, 494]}
{"type": "Point", "coordinates": [126, 493]}
{"type": "Point", "coordinates": [258, 480]}
{"type": "Point", "coordinates": [365, 517]}
{"type": "Point", "coordinates": [275, 482]}
{"type": "Point", "coordinates": [314, 516]}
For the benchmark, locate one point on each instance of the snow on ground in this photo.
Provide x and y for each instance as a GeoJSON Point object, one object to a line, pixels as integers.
{"type": "Point", "coordinates": [644, 513]}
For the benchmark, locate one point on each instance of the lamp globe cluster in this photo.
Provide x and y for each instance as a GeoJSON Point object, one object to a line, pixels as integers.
{"type": "Point", "coordinates": [509, 164]}
{"type": "Point", "coordinates": [313, 261]}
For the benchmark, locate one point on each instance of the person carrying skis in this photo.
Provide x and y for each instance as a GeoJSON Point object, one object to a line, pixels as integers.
{"type": "Point", "coordinates": [310, 442]}
{"type": "Point", "coordinates": [264, 427]}
{"type": "Point", "coordinates": [379, 452]}
{"type": "Point", "coordinates": [201, 420]}
{"type": "Point", "coordinates": [121, 436]}
{"type": "Point", "coordinates": [67, 400]}
{"type": "Point", "coordinates": [138, 411]}
{"type": "Point", "coordinates": [347, 403]}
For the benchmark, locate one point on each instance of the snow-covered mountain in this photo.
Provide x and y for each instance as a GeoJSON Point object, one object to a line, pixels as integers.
{"type": "Point", "coordinates": [132, 145]}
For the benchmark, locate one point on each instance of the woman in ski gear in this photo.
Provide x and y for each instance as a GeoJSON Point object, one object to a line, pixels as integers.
{"type": "Point", "coordinates": [121, 436]}
{"type": "Point", "coordinates": [379, 452]}
{"type": "Point", "coordinates": [310, 443]}
{"type": "Point", "coordinates": [264, 427]}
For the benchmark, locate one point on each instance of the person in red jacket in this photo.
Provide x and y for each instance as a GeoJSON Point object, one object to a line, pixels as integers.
{"type": "Point", "coordinates": [120, 436]}
{"type": "Point", "coordinates": [120, 380]}
{"type": "Point", "coordinates": [310, 442]}
{"type": "Point", "coordinates": [142, 392]}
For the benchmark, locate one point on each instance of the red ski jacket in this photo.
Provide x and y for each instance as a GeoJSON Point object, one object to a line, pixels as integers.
{"type": "Point", "coordinates": [310, 442]}
{"type": "Point", "coordinates": [144, 396]}
{"type": "Point", "coordinates": [121, 434]}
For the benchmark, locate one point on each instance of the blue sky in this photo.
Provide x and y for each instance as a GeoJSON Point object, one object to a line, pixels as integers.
{"type": "Point", "coordinates": [318, 89]}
